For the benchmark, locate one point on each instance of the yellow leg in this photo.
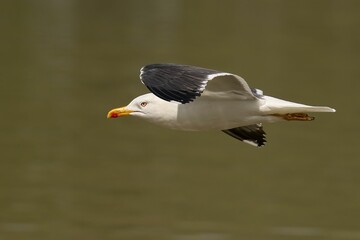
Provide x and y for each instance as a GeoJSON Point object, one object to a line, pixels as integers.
{"type": "Point", "coordinates": [295, 117]}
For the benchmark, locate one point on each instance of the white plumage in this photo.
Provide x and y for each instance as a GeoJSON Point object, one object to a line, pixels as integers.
{"type": "Point", "coordinates": [192, 98]}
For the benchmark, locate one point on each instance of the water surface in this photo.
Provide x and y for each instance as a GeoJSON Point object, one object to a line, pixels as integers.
{"type": "Point", "coordinates": [67, 172]}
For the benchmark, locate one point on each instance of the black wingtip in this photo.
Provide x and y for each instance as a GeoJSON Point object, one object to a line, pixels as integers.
{"type": "Point", "coordinates": [175, 82]}
{"type": "Point", "coordinates": [251, 134]}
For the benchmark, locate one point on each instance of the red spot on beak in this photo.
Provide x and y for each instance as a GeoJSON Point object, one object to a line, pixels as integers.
{"type": "Point", "coordinates": [113, 115]}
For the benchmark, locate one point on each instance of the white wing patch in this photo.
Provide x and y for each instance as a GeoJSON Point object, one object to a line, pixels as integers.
{"type": "Point", "coordinates": [227, 85]}
{"type": "Point", "coordinates": [212, 76]}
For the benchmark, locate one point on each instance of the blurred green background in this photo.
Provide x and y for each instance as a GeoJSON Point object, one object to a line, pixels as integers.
{"type": "Point", "coordinates": [67, 172]}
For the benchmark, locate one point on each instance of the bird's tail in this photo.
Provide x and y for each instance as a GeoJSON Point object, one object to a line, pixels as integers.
{"type": "Point", "coordinates": [278, 106]}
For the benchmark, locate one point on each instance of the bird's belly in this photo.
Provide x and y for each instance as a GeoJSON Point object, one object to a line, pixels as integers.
{"type": "Point", "coordinates": [217, 115]}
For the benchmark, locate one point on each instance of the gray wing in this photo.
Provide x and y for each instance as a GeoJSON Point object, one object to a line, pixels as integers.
{"type": "Point", "coordinates": [252, 134]}
{"type": "Point", "coordinates": [183, 83]}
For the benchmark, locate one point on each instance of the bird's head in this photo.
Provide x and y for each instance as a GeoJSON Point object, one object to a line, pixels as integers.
{"type": "Point", "coordinates": [145, 106]}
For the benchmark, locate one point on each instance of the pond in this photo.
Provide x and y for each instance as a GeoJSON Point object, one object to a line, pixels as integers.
{"type": "Point", "coordinates": [68, 172]}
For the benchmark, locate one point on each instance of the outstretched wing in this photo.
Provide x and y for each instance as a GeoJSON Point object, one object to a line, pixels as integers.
{"type": "Point", "coordinates": [252, 134]}
{"type": "Point", "coordinates": [183, 83]}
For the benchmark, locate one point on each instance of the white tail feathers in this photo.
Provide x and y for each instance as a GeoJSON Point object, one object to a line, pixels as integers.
{"type": "Point", "coordinates": [319, 109]}
{"type": "Point", "coordinates": [278, 106]}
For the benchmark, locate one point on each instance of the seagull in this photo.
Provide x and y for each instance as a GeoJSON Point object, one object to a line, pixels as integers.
{"type": "Point", "coordinates": [193, 98]}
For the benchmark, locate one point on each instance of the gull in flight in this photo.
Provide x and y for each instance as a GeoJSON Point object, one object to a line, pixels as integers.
{"type": "Point", "coordinates": [193, 98]}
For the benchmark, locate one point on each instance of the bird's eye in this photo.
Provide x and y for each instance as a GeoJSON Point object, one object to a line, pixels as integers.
{"type": "Point", "coordinates": [143, 104]}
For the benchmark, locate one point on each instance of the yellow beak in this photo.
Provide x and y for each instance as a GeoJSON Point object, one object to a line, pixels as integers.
{"type": "Point", "coordinates": [119, 112]}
